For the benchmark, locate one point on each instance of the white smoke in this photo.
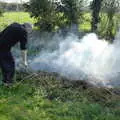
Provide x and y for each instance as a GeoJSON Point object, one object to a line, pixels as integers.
{"type": "Point", "coordinates": [88, 58]}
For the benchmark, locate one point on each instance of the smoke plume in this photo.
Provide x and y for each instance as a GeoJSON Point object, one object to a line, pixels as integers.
{"type": "Point", "coordinates": [86, 58]}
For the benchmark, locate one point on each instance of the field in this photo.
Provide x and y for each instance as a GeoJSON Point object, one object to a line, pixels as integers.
{"type": "Point", "coordinates": [10, 17]}
{"type": "Point", "coordinates": [43, 96]}
{"type": "Point", "coordinates": [48, 96]}
{"type": "Point", "coordinates": [21, 17]}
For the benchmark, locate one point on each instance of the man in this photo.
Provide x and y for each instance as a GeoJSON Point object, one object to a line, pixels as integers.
{"type": "Point", "coordinates": [13, 34]}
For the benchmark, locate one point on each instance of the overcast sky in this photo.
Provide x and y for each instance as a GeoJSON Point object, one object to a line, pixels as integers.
{"type": "Point", "coordinates": [15, 1]}
{"type": "Point", "coordinates": [20, 0]}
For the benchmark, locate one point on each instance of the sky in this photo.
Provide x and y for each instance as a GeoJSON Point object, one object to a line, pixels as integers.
{"type": "Point", "coordinates": [9, 1]}
{"type": "Point", "coordinates": [20, 0]}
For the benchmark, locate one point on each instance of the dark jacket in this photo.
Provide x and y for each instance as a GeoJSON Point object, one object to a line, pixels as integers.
{"type": "Point", "coordinates": [11, 35]}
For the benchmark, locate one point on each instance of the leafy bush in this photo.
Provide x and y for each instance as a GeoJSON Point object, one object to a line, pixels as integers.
{"type": "Point", "coordinates": [52, 15]}
{"type": "Point", "coordinates": [45, 13]}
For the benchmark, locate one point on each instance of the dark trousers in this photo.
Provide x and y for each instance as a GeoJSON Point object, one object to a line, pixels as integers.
{"type": "Point", "coordinates": [7, 66]}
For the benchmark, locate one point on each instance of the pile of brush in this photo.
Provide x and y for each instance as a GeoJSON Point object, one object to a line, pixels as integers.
{"type": "Point", "coordinates": [57, 86]}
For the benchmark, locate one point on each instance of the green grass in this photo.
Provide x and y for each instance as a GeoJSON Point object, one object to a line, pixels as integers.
{"type": "Point", "coordinates": [21, 17]}
{"type": "Point", "coordinates": [47, 98]}
{"type": "Point", "coordinates": [44, 97]}
{"type": "Point", "coordinates": [10, 17]}
{"type": "Point", "coordinates": [86, 22]}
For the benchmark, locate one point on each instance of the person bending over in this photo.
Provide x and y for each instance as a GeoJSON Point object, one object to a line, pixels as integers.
{"type": "Point", "coordinates": [11, 35]}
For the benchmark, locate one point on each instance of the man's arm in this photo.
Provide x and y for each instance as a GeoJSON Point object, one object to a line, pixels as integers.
{"type": "Point", "coordinates": [0, 34]}
{"type": "Point", "coordinates": [23, 47]}
{"type": "Point", "coordinates": [24, 57]}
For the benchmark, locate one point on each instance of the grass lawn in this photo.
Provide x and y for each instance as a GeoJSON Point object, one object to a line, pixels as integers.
{"type": "Point", "coordinates": [44, 97]}
{"type": "Point", "coordinates": [86, 23]}
{"type": "Point", "coordinates": [10, 17]}
{"type": "Point", "coordinates": [21, 17]}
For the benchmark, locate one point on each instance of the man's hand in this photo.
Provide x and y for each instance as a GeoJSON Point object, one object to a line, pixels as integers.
{"type": "Point", "coordinates": [24, 57]}
{"type": "Point", "coordinates": [25, 63]}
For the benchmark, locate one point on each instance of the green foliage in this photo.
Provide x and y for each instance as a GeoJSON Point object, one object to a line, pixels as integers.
{"type": "Point", "coordinates": [44, 97]}
{"type": "Point", "coordinates": [73, 10]}
{"type": "Point", "coordinates": [1, 12]}
{"type": "Point", "coordinates": [108, 28]}
{"type": "Point", "coordinates": [105, 21]}
{"type": "Point", "coordinates": [52, 15]}
{"type": "Point", "coordinates": [45, 13]}
{"type": "Point", "coordinates": [109, 19]}
{"type": "Point", "coordinates": [21, 17]}
{"type": "Point", "coordinates": [85, 25]}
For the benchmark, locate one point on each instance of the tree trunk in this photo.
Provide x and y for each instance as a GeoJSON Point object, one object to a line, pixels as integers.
{"type": "Point", "coordinates": [96, 6]}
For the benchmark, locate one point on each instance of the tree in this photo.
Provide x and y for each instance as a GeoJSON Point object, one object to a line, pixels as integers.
{"type": "Point", "coordinates": [95, 6]}
{"type": "Point", "coordinates": [45, 13]}
{"type": "Point", "coordinates": [1, 8]}
{"type": "Point", "coordinates": [72, 10]}
{"type": "Point", "coordinates": [1, 12]}
{"type": "Point", "coordinates": [111, 8]}
{"type": "Point", "coordinates": [11, 6]}
{"type": "Point", "coordinates": [52, 14]}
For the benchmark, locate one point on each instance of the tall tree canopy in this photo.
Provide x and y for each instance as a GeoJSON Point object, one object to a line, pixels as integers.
{"type": "Point", "coordinates": [51, 13]}
{"type": "Point", "coordinates": [72, 10]}
{"type": "Point", "coordinates": [45, 11]}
